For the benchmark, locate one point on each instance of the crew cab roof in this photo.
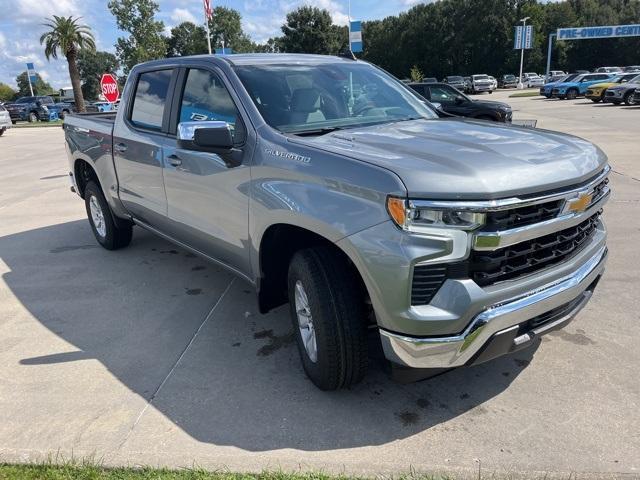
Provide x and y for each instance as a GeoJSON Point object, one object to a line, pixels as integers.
{"type": "Point", "coordinates": [255, 59]}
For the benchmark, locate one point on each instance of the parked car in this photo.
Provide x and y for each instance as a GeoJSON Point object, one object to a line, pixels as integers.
{"type": "Point", "coordinates": [532, 80]}
{"type": "Point", "coordinates": [452, 101]}
{"type": "Point", "coordinates": [632, 68]}
{"type": "Point", "coordinates": [608, 70]}
{"type": "Point", "coordinates": [467, 85]}
{"type": "Point", "coordinates": [481, 83]}
{"type": "Point", "coordinates": [494, 83]}
{"type": "Point", "coordinates": [554, 76]}
{"type": "Point", "coordinates": [508, 81]}
{"type": "Point", "coordinates": [455, 81]}
{"type": "Point", "coordinates": [29, 109]}
{"type": "Point", "coordinates": [623, 92]}
{"type": "Point", "coordinates": [100, 107]}
{"type": "Point", "coordinates": [5, 120]}
{"type": "Point", "coordinates": [453, 241]}
{"type": "Point", "coordinates": [596, 92]}
{"type": "Point", "coordinates": [547, 88]}
{"type": "Point", "coordinates": [32, 109]}
{"type": "Point", "coordinates": [579, 85]}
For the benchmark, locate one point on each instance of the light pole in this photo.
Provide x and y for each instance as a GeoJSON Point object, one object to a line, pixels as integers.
{"type": "Point", "coordinates": [524, 24]}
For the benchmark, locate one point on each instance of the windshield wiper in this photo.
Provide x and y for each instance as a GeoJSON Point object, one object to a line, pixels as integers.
{"type": "Point", "coordinates": [315, 131]}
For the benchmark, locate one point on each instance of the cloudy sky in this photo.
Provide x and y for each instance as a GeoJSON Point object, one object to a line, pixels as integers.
{"type": "Point", "coordinates": [20, 25]}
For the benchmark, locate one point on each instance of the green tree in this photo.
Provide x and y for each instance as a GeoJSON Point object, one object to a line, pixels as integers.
{"type": "Point", "coordinates": [145, 41]}
{"type": "Point", "coordinates": [187, 39]}
{"type": "Point", "coordinates": [6, 92]}
{"type": "Point", "coordinates": [416, 74]}
{"type": "Point", "coordinates": [40, 87]}
{"type": "Point", "coordinates": [226, 25]}
{"type": "Point", "coordinates": [69, 38]}
{"type": "Point", "coordinates": [310, 30]}
{"type": "Point", "coordinates": [92, 65]}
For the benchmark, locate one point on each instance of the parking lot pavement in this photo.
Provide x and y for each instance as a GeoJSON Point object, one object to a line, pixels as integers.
{"type": "Point", "coordinates": [152, 356]}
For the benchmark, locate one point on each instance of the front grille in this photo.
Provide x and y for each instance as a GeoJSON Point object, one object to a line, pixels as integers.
{"type": "Point", "coordinates": [599, 191]}
{"type": "Point", "coordinates": [489, 267]}
{"type": "Point", "coordinates": [522, 216]}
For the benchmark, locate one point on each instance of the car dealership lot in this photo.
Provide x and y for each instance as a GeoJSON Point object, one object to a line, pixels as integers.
{"type": "Point", "coordinates": [150, 355]}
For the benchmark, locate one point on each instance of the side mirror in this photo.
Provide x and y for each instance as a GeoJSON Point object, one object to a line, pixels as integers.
{"type": "Point", "coordinates": [437, 106]}
{"type": "Point", "coordinates": [459, 101]}
{"type": "Point", "coordinates": [209, 136]}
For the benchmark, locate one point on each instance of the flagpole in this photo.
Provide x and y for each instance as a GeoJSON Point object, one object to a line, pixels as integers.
{"type": "Point", "coordinates": [206, 23]}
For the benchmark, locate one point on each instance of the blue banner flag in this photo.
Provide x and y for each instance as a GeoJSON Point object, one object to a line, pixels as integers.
{"type": "Point", "coordinates": [355, 36]}
{"type": "Point", "coordinates": [31, 71]}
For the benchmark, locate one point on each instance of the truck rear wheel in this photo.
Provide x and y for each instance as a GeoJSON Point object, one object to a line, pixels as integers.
{"type": "Point", "coordinates": [107, 233]}
{"type": "Point", "coordinates": [328, 318]}
{"type": "Point", "coordinates": [33, 117]}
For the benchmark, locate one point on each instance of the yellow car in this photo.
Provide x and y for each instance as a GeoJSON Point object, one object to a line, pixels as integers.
{"type": "Point", "coordinates": [596, 92]}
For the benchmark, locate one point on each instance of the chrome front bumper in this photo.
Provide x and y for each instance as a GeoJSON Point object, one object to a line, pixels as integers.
{"type": "Point", "coordinates": [497, 320]}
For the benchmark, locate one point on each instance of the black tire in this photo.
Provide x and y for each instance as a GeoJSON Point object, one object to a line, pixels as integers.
{"type": "Point", "coordinates": [572, 94]}
{"type": "Point", "coordinates": [13, 122]}
{"type": "Point", "coordinates": [33, 117]}
{"type": "Point", "coordinates": [490, 92]}
{"type": "Point", "coordinates": [628, 99]}
{"type": "Point", "coordinates": [595, 100]}
{"type": "Point", "coordinates": [338, 318]}
{"type": "Point", "coordinates": [115, 236]}
{"type": "Point", "coordinates": [2, 130]}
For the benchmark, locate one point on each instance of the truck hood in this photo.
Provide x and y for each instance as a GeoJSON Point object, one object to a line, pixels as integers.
{"type": "Point", "coordinates": [468, 159]}
{"type": "Point", "coordinates": [492, 105]}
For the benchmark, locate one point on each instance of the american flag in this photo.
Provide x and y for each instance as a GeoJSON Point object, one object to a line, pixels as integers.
{"type": "Point", "coordinates": [208, 12]}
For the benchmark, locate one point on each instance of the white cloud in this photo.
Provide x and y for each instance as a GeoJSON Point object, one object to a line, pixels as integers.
{"type": "Point", "coordinates": [179, 15]}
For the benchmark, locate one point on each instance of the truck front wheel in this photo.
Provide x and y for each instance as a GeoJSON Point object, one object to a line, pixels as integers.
{"type": "Point", "coordinates": [107, 233]}
{"type": "Point", "coordinates": [328, 318]}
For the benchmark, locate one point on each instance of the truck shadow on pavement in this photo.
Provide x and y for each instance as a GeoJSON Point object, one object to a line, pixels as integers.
{"type": "Point", "coordinates": [240, 382]}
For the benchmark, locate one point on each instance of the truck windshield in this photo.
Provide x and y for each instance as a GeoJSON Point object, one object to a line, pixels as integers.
{"type": "Point", "coordinates": [26, 100]}
{"type": "Point", "coordinates": [455, 79]}
{"type": "Point", "coordinates": [308, 99]}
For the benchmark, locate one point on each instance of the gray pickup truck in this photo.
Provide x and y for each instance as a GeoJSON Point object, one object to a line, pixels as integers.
{"type": "Point", "coordinates": [326, 183]}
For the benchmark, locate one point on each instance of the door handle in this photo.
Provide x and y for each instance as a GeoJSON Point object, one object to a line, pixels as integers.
{"type": "Point", "coordinates": [174, 160]}
{"type": "Point", "coordinates": [120, 147]}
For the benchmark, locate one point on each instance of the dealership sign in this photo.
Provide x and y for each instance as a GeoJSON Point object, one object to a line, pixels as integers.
{"type": "Point", "coordinates": [584, 33]}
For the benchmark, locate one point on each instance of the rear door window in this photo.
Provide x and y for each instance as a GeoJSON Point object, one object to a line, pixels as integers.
{"type": "Point", "coordinates": [150, 99]}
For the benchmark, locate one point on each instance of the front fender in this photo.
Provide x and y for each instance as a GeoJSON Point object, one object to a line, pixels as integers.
{"type": "Point", "coordinates": [325, 193]}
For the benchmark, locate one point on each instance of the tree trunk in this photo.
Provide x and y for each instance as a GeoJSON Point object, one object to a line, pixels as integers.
{"type": "Point", "coordinates": [75, 81]}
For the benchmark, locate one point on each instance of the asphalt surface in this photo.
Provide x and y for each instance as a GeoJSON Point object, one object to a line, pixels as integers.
{"type": "Point", "coordinates": [151, 356]}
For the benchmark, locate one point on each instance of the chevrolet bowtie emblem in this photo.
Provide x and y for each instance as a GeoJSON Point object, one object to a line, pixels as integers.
{"type": "Point", "coordinates": [581, 203]}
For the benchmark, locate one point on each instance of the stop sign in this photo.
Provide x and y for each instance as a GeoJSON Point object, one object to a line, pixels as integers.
{"type": "Point", "coordinates": [109, 87]}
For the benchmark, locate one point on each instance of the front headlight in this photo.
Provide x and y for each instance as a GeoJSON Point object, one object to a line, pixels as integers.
{"type": "Point", "coordinates": [413, 218]}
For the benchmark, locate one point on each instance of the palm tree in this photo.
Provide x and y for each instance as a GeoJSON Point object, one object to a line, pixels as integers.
{"type": "Point", "coordinates": [68, 37]}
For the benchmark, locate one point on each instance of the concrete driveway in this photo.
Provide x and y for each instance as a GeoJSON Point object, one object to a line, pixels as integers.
{"type": "Point", "coordinates": [153, 356]}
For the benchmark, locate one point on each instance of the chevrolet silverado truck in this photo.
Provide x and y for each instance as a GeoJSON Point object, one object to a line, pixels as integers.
{"type": "Point", "coordinates": [327, 184]}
